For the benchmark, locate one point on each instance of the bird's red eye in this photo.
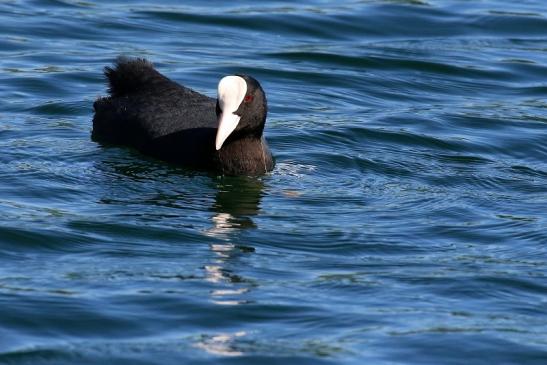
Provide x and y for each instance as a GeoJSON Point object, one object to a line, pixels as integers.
{"type": "Point", "coordinates": [248, 98]}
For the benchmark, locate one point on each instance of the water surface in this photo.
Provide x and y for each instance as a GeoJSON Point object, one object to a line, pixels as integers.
{"type": "Point", "coordinates": [404, 223]}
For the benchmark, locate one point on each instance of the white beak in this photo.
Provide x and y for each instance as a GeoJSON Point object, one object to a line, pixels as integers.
{"type": "Point", "coordinates": [226, 125]}
{"type": "Point", "coordinates": [231, 91]}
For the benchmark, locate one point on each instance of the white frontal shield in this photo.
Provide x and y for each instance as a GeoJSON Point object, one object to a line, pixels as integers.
{"type": "Point", "coordinates": [231, 91]}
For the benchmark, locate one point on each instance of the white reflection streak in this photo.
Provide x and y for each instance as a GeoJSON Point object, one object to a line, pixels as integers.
{"type": "Point", "coordinates": [224, 292]}
{"type": "Point", "coordinates": [221, 344]}
{"type": "Point", "coordinates": [222, 225]}
{"type": "Point", "coordinates": [214, 272]}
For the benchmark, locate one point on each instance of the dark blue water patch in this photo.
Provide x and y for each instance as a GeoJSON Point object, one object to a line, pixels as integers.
{"type": "Point", "coordinates": [61, 108]}
{"type": "Point", "coordinates": [510, 24]}
{"type": "Point", "coordinates": [481, 343]}
{"type": "Point", "coordinates": [366, 62]}
{"type": "Point", "coordinates": [17, 239]}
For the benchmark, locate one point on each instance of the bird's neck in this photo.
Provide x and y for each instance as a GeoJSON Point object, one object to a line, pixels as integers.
{"type": "Point", "coordinates": [248, 155]}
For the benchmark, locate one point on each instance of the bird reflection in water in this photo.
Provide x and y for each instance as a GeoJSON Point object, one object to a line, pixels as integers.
{"type": "Point", "coordinates": [237, 200]}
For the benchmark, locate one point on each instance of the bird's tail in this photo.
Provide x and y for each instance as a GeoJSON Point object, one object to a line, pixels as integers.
{"type": "Point", "coordinates": [131, 75]}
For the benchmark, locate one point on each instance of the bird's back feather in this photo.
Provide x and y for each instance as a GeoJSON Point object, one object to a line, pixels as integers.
{"type": "Point", "coordinates": [145, 105]}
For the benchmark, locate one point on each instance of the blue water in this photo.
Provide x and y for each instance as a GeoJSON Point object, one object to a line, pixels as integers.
{"type": "Point", "coordinates": [405, 221]}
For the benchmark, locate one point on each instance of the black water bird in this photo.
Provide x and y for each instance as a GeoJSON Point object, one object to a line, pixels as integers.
{"type": "Point", "coordinates": [161, 118]}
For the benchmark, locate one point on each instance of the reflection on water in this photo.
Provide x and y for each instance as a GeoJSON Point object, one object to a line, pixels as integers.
{"type": "Point", "coordinates": [221, 344]}
{"type": "Point", "coordinates": [223, 224]}
{"type": "Point", "coordinates": [237, 200]}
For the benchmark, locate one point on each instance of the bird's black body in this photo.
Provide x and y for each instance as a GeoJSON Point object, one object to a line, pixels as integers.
{"type": "Point", "coordinates": [163, 119]}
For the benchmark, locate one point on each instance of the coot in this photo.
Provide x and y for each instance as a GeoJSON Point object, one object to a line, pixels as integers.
{"type": "Point", "coordinates": [161, 118]}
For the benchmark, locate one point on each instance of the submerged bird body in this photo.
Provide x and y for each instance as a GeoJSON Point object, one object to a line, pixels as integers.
{"type": "Point", "coordinates": [161, 118]}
